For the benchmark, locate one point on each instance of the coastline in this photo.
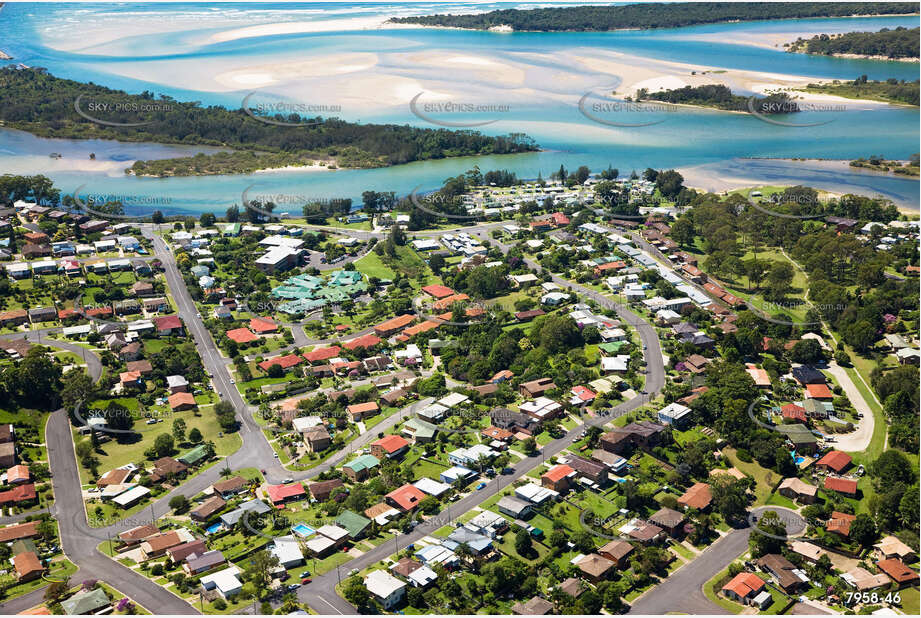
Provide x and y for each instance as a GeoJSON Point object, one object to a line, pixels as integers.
{"type": "Point", "coordinates": [854, 56]}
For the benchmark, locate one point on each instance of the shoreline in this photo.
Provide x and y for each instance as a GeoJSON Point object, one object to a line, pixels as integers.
{"type": "Point", "coordinates": [505, 28]}
{"type": "Point", "coordinates": [853, 56]}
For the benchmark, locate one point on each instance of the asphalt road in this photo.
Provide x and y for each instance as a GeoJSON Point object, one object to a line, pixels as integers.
{"type": "Point", "coordinates": [39, 337]}
{"type": "Point", "coordinates": [79, 540]}
{"type": "Point", "coordinates": [682, 591]}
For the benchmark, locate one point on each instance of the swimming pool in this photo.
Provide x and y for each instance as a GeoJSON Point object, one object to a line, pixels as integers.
{"type": "Point", "coordinates": [213, 528]}
{"type": "Point", "coordinates": [302, 530]}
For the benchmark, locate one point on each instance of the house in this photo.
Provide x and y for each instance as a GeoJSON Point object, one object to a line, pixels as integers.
{"type": "Point", "coordinates": [241, 335]}
{"type": "Point", "coordinates": [695, 363]}
{"type": "Point", "coordinates": [535, 606]}
{"type": "Point", "coordinates": [231, 487]}
{"type": "Point", "coordinates": [28, 566]}
{"type": "Point", "coordinates": [19, 496]}
{"type": "Point", "coordinates": [360, 468]}
{"type": "Point", "coordinates": [536, 388]}
{"type": "Point", "coordinates": [819, 391]}
{"type": "Point", "coordinates": [471, 455]}
{"type": "Point", "coordinates": [793, 412]}
{"type": "Point", "coordinates": [394, 325]}
{"type": "Point", "coordinates": [18, 474]}
{"type": "Point", "coordinates": [834, 461]}
{"type": "Point", "coordinates": [167, 467]}
{"type": "Point", "coordinates": [419, 431]}
{"type": "Point", "coordinates": [863, 580]}
{"type": "Point", "coordinates": [514, 507]}
{"type": "Point", "coordinates": [810, 552]}
{"type": "Point", "coordinates": [558, 478]}
{"type": "Point", "coordinates": [405, 498]}
{"type": "Point", "coordinates": [784, 572]}
{"type": "Point", "coordinates": [808, 375]}
{"type": "Point", "coordinates": [180, 552]}
{"type": "Point", "coordinates": [131, 497]}
{"type": "Point", "coordinates": [182, 401]}
{"type": "Point", "coordinates": [760, 376]}
{"type": "Point", "coordinates": [642, 434]}
{"type": "Point", "coordinates": [200, 563]}
{"type": "Point", "coordinates": [360, 411]}
{"type": "Point", "coordinates": [697, 497]}
{"type": "Point", "coordinates": [840, 523]}
{"type": "Point", "coordinates": [282, 494]}
{"type": "Point", "coordinates": [226, 582]}
{"type": "Point", "coordinates": [454, 474]}
{"type": "Point", "coordinates": [208, 508]}
{"type": "Point", "coordinates": [87, 602]}
{"type": "Point", "coordinates": [669, 520]}
{"type": "Point", "coordinates": [572, 587]}
{"type": "Point", "coordinates": [257, 507]}
{"type": "Point", "coordinates": [322, 490]}
{"type": "Point", "coordinates": [354, 524]}
{"type": "Point", "coordinates": [803, 440]}
{"type": "Point", "coordinates": [514, 421]}
{"type": "Point", "coordinates": [847, 487]}
{"type": "Point", "coordinates": [389, 447]}
{"type": "Point", "coordinates": [898, 572]}
{"type": "Point", "coordinates": [674, 414]}
{"type": "Point", "coordinates": [414, 572]}
{"type": "Point", "coordinates": [385, 588]}
{"type": "Point", "coordinates": [797, 490]}
{"type": "Point", "coordinates": [593, 471]}
{"type": "Point", "coordinates": [617, 552]}
{"type": "Point", "coordinates": [892, 547]}
{"type": "Point", "coordinates": [595, 568]}
{"type": "Point", "coordinates": [157, 545]}
{"type": "Point", "coordinates": [288, 552]}
{"type": "Point", "coordinates": [743, 588]}
{"type": "Point", "coordinates": [168, 325]}
{"type": "Point", "coordinates": [138, 534]}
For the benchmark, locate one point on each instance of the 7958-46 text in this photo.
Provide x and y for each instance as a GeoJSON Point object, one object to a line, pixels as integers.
{"type": "Point", "coordinates": [872, 598]}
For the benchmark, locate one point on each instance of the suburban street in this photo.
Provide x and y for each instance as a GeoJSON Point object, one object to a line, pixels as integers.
{"type": "Point", "coordinates": [80, 540]}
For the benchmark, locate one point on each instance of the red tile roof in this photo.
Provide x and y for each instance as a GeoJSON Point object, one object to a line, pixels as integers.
{"type": "Point", "coordinates": [420, 328]}
{"type": "Point", "coordinates": [322, 354]}
{"type": "Point", "coordinates": [583, 392]}
{"type": "Point", "coordinates": [444, 303]}
{"type": "Point", "coordinates": [818, 391]}
{"type": "Point", "coordinates": [241, 335]}
{"type": "Point", "coordinates": [19, 531]}
{"type": "Point", "coordinates": [286, 362]}
{"type": "Point", "coordinates": [406, 497]}
{"type": "Point", "coordinates": [557, 473]}
{"type": "Point", "coordinates": [836, 460]}
{"type": "Point", "coordinates": [559, 218]}
{"type": "Point", "coordinates": [180, 399]}
{"type": "Point", "coordinates": [840, 523]}
{"type": "Point", "coordinates": [897, 570]}
{"type": "Point", "coordinates": [438, 291]}
{"type": "Point", "coordinates": [19, 494]}
{"type": "Point", "coordinates": [263, 325]}
{"type": "Point", "coordinates": [18, 474]}
{"type": "Point", "coordinates": [791, 410]}
{"type": "Point", "coordinates": [361, 408]}
{"type": "Point", "coordinates": [280, 493]}
{"type": "Point", "coordinates": [845, 486]}
{"type": "Point", "coordinates": [401, 321]}
{"type": "Point", "coordinates": [365, 341]}
{"type": "Point", "coordinates": [391, 444]}
{"type": "Point", "coordinates": [745, 584]}
{"type": "Point", "coordinates": [697, 497]}
{"type": "Point", "coordinates": [168, 322]}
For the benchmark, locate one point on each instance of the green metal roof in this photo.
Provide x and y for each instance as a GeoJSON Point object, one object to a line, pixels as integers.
{"type": "Point", "coordinates": [85, 602]}
{"type": "Point", "coordinates": [353, 522]}
{"type": "Point", "coordinates": [194, 456]}
{"type": "Point", "coordinates": [365, 462]}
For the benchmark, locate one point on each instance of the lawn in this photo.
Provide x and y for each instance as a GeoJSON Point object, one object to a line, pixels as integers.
{"type": "Point", "coordinates": [718, 579]}
{"type": "Point", "coordinates": [372, 266]}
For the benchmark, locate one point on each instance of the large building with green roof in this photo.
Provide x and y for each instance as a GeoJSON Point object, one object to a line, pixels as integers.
{"type": "Point", "coordinates": [308, 292]}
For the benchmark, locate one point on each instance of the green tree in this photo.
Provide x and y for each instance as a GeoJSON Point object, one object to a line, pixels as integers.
{"type": "Point", "coordinates": [523, 543]}
{"type": "Point", "coordinates": [163, 445]}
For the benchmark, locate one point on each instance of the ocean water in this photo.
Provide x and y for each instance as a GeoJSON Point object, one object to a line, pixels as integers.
{"type": "Point", "coordinates": [178, 49]}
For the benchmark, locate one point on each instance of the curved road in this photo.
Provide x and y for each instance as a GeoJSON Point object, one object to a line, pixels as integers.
{"type": "Point", "coordinates": [79, 540]}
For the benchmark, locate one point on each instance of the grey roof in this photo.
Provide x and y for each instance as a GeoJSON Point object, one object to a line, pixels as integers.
{"type": "Point", "coordinates": [256, 506]}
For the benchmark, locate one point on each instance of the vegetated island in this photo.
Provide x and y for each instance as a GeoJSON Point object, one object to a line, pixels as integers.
{"type": "Point", "coordinates": [652, 15]}
{"type": "Point", "coordinates": [35, 101]}
{"type": "Point", "coordinates": [890, 91]}
{"type": "Point", "coordinates": [720, 97]}
{"type": "Point", "coordinates": [880, 164]}
{"type": "Point", "coordinates": [898, 44]}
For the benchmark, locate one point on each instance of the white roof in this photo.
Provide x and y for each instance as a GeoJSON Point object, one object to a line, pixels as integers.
{"type": "Point", "coordinates": [306, 422]}
{"type": "Point", "coordinates": [172, 381]}
{"type": "Point", "coordinates": [674, 411]}
{"type": "Point", "coordinates": [225, 580]}
{"type": "Point", "coordinates": [431, 487]}
{"type": "Point", "coordinates": [135, 493]}
{"type": "Point", "coordinates": [281, 241]}
{"type": "Point", "coordinates": [318, 544]}
{"type": "Point", "coordinates": [542, 406]}
{"type": "Point", "coordinates": [382, 584]}
{"type": "Point", "coordinates": [333, 532]}
{"type": "Point", "coordinates": [532, 492]}
{"type": "Point", "coordinates": [287, 550]}
{"type": "Point", "coordinates": [423, 576]}
{"type": "Point", "coordinates": [486, 520]}
{"type": "Point", "coordinates": [615, 363]}
{"type": "Point", "coordinates": [452, 399]}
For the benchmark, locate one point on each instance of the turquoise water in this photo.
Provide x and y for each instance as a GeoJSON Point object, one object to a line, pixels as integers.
{"type": "Point", "coordinates": [303, 530]}
{"type": "Point", "coordinates": [718, 143]}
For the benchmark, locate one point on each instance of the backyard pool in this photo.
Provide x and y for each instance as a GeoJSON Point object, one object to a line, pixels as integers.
{"type": "Point", "coordinates": [213, 528]}
{"type": "Point", "coordinates": [302, 530]}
